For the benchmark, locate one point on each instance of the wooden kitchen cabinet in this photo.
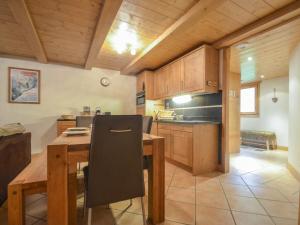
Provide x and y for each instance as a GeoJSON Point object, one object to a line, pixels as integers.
{"type": "Point", "coordinates": [174, 78]}
{"type": "Point", "coordinates": [167, 135]}
{"type": "Point", "coordinates": [182, 147]}
{"type": "Point", "coordinates": [161, 83]}
{"type": "Point", "coordinates": [201, 70]}
{"type": "Point", "coordinates": [193, 147]}
{"type": "Point", "coordinates": [145, 83]}
{"type": "Point", "coordinates": [197, 71]}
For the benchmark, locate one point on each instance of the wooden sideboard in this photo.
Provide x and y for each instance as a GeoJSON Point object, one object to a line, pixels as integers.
{"type": "Point", "coordinates": [62, 125]}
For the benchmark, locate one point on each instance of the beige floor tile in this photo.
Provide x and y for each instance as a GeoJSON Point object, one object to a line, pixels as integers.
{"type": "Point", "coordinates": [280, 209]}
{"type": "Point", "coordinates": [283, 221]}
{"type": "Point", "coordinates": [32, 198]}
{"type": "Point", "coordinates": [210, 185]}
{"type": "Point", "coordinates": [245, 204]}
{"type": "Point", "coordinates": [180, 212]}
{"type": "Point", "coordinates": [213, 216]}
{"type": "Point", "coordinates": [237, 190]}
{"type": "Point", "coordinates": [40, 222]}
{"type": "Point", "coordinates": [182, 180]}
{"type": "Point", "coordinates": [135, 208]}
{"type": "Point", "coordinates": [254, 179]}
{"type": "Point", "coordinates": [231, 179]}
{"type": "Point", "coordinates": [267, 193]}
{"type": "Point", "coordinates": [251, 219]}
{"type": "Point", "coordinates": [38, 208]}
{"type": "Point", "coordinates": [292, 197]}
{"type": "Point", "coordinates": [211, 199]}
{"type": "Point", "coordinates": [181, 194]}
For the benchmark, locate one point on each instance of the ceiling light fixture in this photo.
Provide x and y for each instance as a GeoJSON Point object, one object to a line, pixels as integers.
{"type": "Point", "coordinates": [262, 76]}
{"type": "Point", "coordinates": [125, 39]}
{"type": "Point", "coordinates": [250, 58]}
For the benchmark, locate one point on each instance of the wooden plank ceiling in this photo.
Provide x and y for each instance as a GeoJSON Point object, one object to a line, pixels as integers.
{"type": "Point", "coordinates": [166, 29]}
{"type": "Point", "coordinates": [269, 51]}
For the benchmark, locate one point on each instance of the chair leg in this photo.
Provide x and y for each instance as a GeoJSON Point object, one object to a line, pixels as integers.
{"type": "Point", "coordinates": [90, 216]}
{"type": "Point", "coordinates": [143, 211]}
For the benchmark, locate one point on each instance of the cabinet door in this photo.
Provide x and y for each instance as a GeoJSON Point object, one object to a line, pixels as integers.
{"type": "Point", "coordinates": [160, 83]}
{"type": "Point", "coordinates": [182, 147]}
{"type": "Point", "coordinates": [140, 82]}
{"type": "Point", "coordinates": [167, 135]}
{"type": "Point", "coordinates": [174, 78]}
{"type": "Point", "coordinates": [193, 78]}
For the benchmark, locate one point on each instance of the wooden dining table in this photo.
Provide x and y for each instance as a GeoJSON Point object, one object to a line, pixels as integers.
{"type": "Point", "coordinates": [65, 152]}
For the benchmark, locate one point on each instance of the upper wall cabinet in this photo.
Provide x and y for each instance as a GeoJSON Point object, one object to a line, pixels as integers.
{"type": "Point", "coordinates": [161, 82]}
{"type": "Point", "coordinates": [174, 82]}
{"type": "Point", "coordinates": [145, 83]}
{"type": "Point", "coordinates": [197, 71]}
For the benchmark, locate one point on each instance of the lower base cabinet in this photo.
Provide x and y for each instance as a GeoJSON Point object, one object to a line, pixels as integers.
{"type": "Point", "coordinates": [194, 147]}
{"type": "Point", "coordinates": [182, 147]}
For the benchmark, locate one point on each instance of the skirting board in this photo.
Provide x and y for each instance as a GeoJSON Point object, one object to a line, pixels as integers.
{"type": "Point", "coordinates": [284, 148]}
{"type": "Point", "coordinates": [293, 171]}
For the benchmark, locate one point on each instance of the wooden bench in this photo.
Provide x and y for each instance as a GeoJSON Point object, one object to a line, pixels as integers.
{"type": "Point", "coordinates": [259, 139]}
{"type": "Point", "coordinates": [32, 180]}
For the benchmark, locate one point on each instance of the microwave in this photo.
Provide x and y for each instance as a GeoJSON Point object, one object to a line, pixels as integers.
{"type": "Point", "coordinates": [140, 98]}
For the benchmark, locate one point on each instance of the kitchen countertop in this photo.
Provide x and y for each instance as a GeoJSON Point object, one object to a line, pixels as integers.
{"type": "Point", "coordinates": [188, 121]}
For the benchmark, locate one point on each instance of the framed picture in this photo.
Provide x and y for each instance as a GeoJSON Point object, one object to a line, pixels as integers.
{"type": "Point", "coordinates": [23, 85]}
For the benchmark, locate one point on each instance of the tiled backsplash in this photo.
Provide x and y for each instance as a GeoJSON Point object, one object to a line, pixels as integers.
{"type": "Point", "coordinates": [203, 107]}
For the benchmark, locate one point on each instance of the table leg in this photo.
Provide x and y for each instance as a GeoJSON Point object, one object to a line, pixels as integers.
{"type": "Point", "coordinates": [57, 186]}
{"type": "Point", "coordinates": [72, 199]}
{"type": "Point", "coordinates": [16, 202]}
{"type": "Point", "coordinates": [156, 183]}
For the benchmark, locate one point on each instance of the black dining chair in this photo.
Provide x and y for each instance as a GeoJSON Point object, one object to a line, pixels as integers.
{"type": "Point", "coordinates": [115, 170]}
{"type": "Point", "coordinates": [84, 121]}
{"type": "Point", "coordinates": [147, 124]}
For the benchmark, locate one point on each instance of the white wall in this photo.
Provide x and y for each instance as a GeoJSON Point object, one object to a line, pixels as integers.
{"type": "Point", "coordinates": [294, 116]}
{"type": "Point", "coordinates": [272, 116]}
{"type": "Point", "coordinates": [64, 90]}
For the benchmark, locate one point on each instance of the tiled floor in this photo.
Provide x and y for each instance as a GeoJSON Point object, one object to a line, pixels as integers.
{"type": "Point", "coordinates": [259, 190]}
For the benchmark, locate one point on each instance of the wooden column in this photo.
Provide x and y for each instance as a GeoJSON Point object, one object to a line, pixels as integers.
{"type": "Point", "coordinates": [225, 77]}
{"type": "Point", "coordinates": [16, 214]}
{"type": "Point", "coordinates": [156, 183]}
{"type": "Point", "coordinates": [57, 186]}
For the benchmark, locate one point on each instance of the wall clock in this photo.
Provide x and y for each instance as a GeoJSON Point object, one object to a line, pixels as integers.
{"type": "Point", "coordinates": [105, 82]}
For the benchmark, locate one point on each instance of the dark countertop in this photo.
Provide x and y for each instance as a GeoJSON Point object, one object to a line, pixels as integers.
{"type": "Point", "coordinates": [188, 121]}
{"type": "Point", "coordinates": [61, 119]}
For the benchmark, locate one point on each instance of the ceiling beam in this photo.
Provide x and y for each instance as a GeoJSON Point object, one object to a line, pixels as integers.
{"type": "Point", "coordinates": [22, 16]}
{"type": "Point", "coordinates": [108, 13]}
{"type": "Point", "coordinates": [198, 11]}
{"type": "Point", "coordinates": [279, 17]}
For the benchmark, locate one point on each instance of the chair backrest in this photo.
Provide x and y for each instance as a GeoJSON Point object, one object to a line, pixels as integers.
{"type": "Point", "coordinates": [84, 121]}
{"type": "Point", "coordinates": [147, 124]}
{"type": "Point", "coordinates": [115, 161]}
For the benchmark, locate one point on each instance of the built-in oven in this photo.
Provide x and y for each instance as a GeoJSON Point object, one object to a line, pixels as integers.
{"type": "Point", "coordinates": [140, 98]}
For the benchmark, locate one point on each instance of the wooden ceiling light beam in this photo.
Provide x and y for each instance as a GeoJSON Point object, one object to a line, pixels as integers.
{"type": "Point", "coordinates": [22, 16]}
{"type": "Point", "coordinates": [106, 19]}
{"type": "Point", "coordinates": [197, 12]}
{"type": "Point", "coordinates": [280, 17]}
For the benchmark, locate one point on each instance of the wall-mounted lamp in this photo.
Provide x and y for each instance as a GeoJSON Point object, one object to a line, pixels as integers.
{"type": "Point", "coordinates": [274, 99]}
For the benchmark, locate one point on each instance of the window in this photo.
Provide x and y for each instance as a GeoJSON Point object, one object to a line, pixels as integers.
{"type": "Point", "coordinates": [249, 99]}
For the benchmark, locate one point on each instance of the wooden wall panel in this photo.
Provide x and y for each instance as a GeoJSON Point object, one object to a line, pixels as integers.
{"type": "Point", "coordinates": [12, 41]}
{"type": "Point", "coordinates": [270, 52]}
